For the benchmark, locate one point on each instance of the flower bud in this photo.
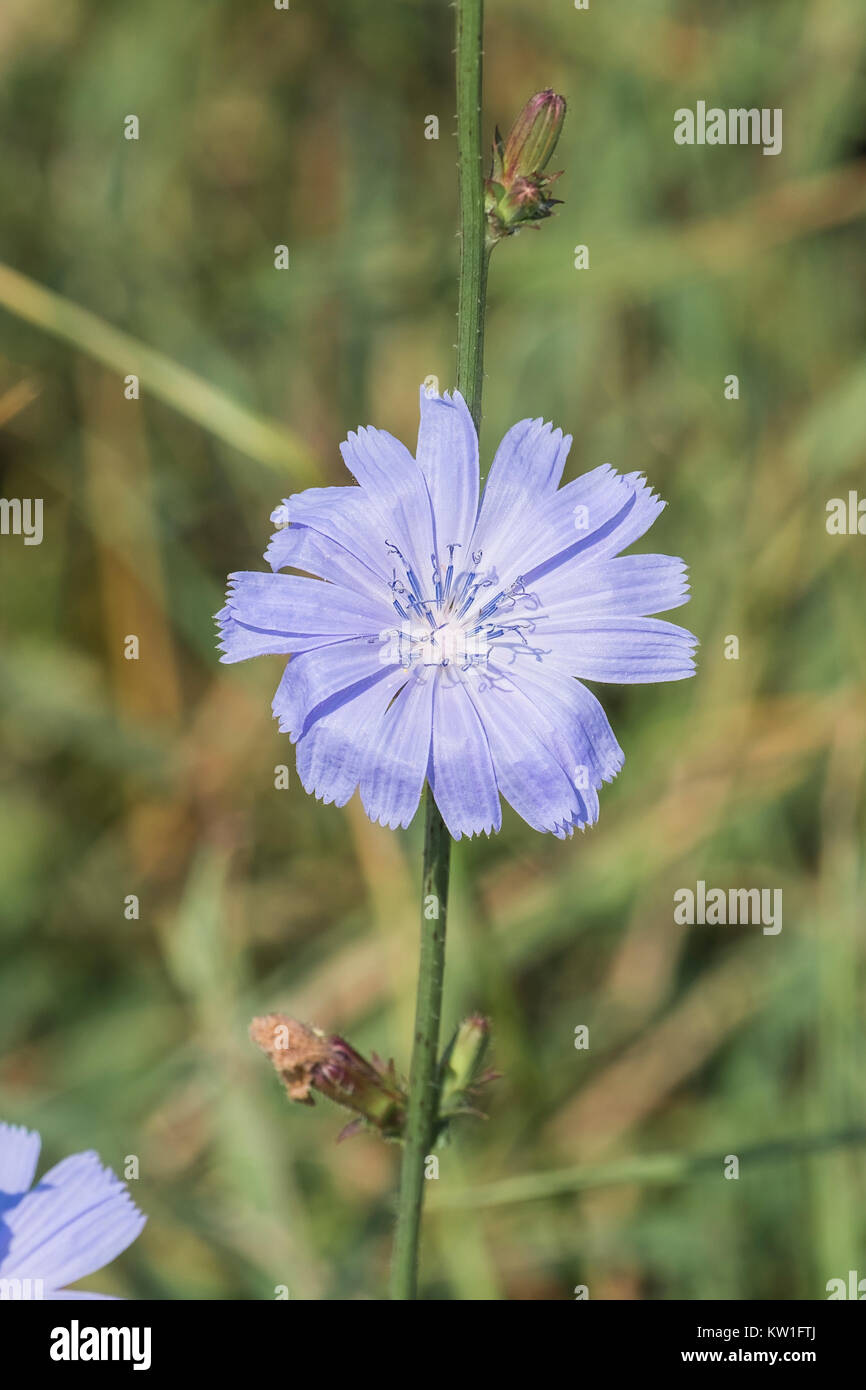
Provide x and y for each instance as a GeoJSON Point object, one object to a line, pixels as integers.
{"type": "Point", "coordinates": [532, 139]}
{"type": "Point", "coordinates": [460, 1068]}
{"type": "Point", "coordinates": [518, 190]}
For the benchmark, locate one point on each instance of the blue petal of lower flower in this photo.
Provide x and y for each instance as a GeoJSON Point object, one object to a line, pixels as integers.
{"type": "Point", "coordinates": [78, 1218]}
{"type": "Point", "coordinates": [19, 1154]}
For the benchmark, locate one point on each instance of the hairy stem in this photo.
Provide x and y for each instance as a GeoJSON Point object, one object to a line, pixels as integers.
{"type": "Point", "coordinates": [423, 1106]}
{"type": "Point", "coordinates": [474, 254]}
{"type": "Point", "coordinates": [424, 1075]}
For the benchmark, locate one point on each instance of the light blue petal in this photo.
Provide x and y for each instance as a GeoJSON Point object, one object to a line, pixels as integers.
{"type": "Point", "coordinates": [396, 487]}
{"type": "Point", "coordinates": [624, 651]}
{"type": "Point", "coordinates": [347, 518]}
{"type": "Point", "coordinates": [239, 643]}
{"type": "Point", "coordinates": [296, 606]}
{"type": "Point", "coordinates": [447, 454]}
{"type": "Point", "coordinates": [526, 469]}
{"type": "Point", "coordinates": [563, 736]}
{"type": "Point", "coordinates": [630, 585]}
{"type": "Point", "coordinates": [316, 676]}
{"type": "Point", "coordinates": [302, 548]}
{"type": "Point", "coordinates": [398, 752]}
{"type": "Point", "coordinates": [19, 1154]}
{"type": "Point", "coordinates": [77, 1218]}
{"type": "Point", "coordinates": [628, 510]}
{"type": "Point", "coordinates": [461, 770]}
{"type": "Point", "coordinates": [582, 728]}
{"type": "Point", "coordinates": [588, 520]}
{"type": "Point", "coordinates": [332, 749]}
{"type": "Point", "coordinates": [528, 773]}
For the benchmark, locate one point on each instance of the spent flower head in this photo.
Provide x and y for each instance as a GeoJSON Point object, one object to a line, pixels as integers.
{"type": "Point", "coordinates": [307, 1060]}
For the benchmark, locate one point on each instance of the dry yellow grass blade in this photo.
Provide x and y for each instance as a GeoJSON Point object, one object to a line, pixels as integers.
{"type": "Point", "coordinates": [269, 443]}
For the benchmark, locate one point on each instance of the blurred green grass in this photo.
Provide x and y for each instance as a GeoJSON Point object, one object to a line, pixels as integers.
{"type": "Point", "coordinates": [156, 777]}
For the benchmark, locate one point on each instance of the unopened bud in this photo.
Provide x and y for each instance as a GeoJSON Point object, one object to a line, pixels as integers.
{"type": "Point", "coordinates": [532, 139]}
{"type": "Point", "coordinates": [517, 193]}
{"type": "Point", "coordinates": [460, 1068]}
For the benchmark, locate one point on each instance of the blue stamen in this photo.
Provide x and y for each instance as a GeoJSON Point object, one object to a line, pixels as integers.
{"type": "Point", "coordinates": [437, 582]}
{"type": "Point", "coordinates": [470, 597]}
{"type": "Point", "coordinates": [489, 607]}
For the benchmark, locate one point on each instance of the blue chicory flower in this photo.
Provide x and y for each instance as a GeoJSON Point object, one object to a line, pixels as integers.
{"type": "Point", "coordinates": [76, 1219]}
{"type": "Point", "coordinates": [447, 637]}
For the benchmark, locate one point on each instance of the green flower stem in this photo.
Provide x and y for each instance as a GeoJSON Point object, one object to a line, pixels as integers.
{"type": "Point", "coordinates": [423, 1078]}
{"type": "Point", "coordinates": [423, 1106]}
{"type": "Point", "coordinates": [474, 252]}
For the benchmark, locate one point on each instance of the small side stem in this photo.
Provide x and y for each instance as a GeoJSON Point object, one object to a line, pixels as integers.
{"type": "Point", "coordinates": [422, 1112]}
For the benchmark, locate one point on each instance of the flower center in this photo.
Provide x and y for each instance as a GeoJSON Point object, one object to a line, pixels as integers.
{"type": "Point", "coordinates": [453, 622]}
{"type": "Point", "coordinates": [450, 643]}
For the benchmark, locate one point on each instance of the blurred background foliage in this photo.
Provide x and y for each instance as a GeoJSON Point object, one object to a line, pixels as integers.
{"type": "Point", "coordinates": [156, 777]}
